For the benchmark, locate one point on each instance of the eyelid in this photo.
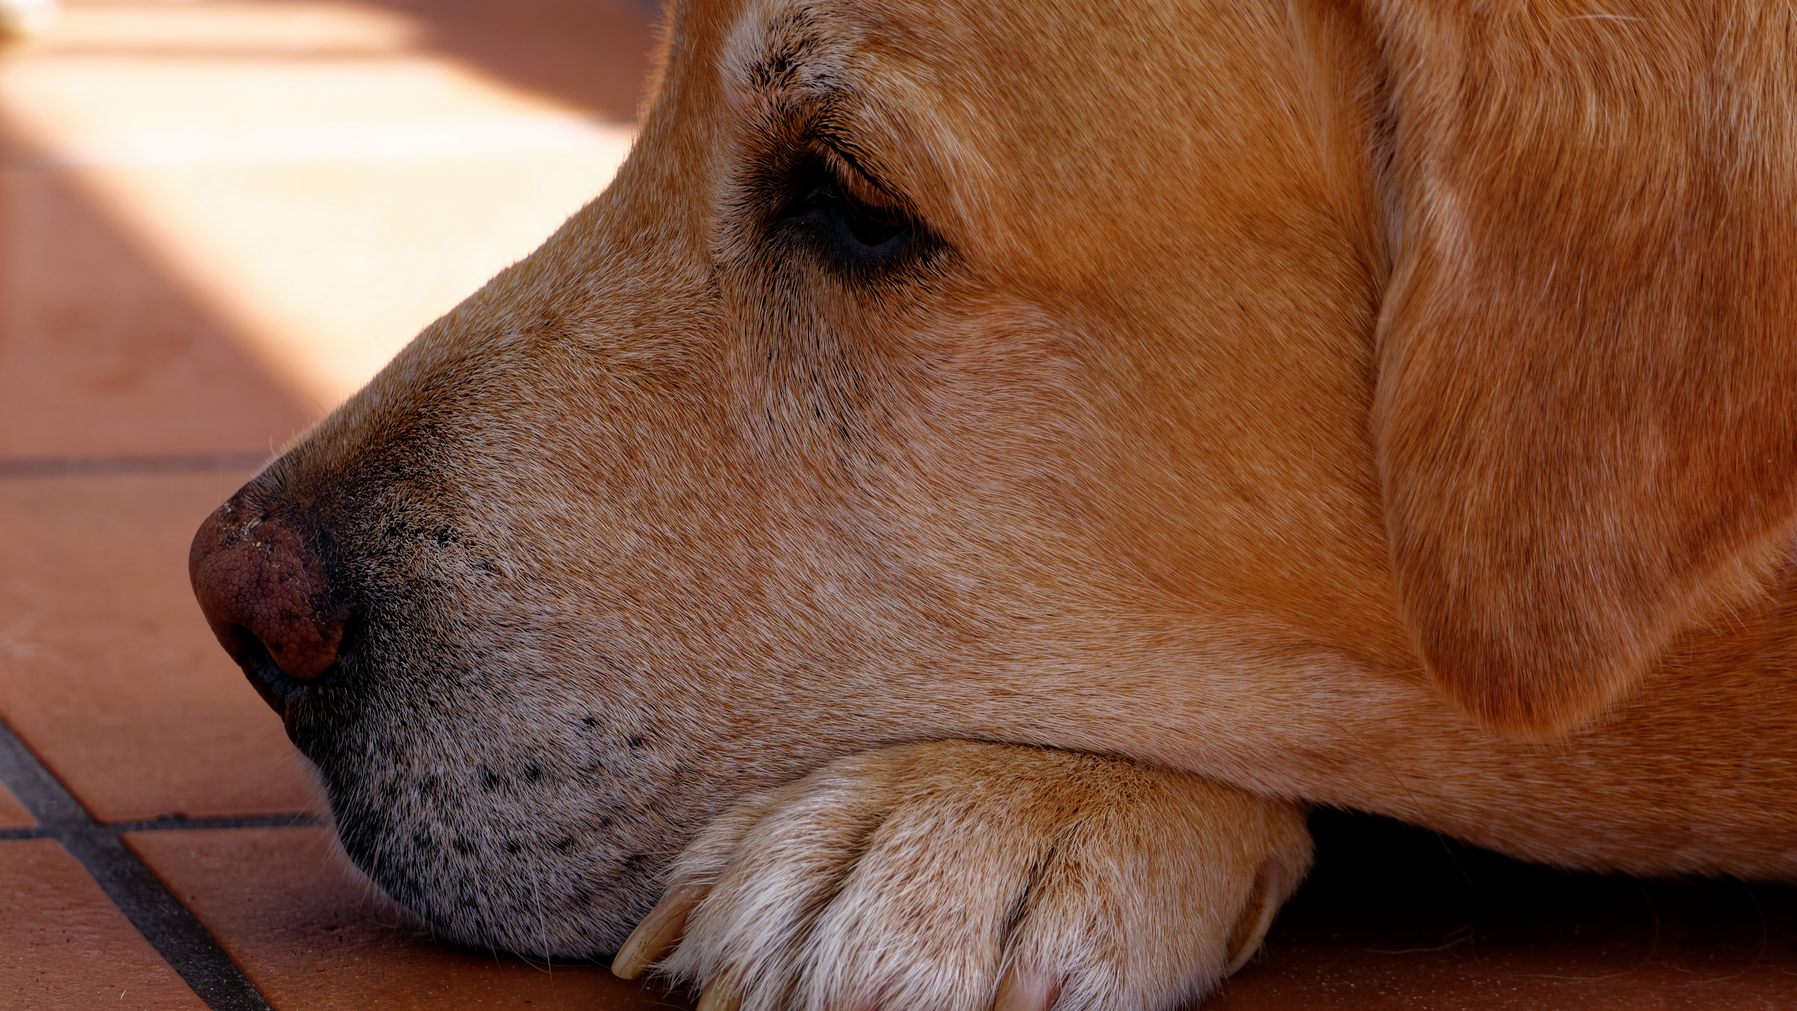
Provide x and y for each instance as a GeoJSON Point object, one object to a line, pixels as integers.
{"type": "Point", "coordinates": [857, 182]}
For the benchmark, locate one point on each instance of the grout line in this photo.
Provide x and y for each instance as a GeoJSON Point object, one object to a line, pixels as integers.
{"type": "Point", "coordinates": [176, 822]}
{"type": "Point", "coordinates": [166, 463]}
{"type": "Point", "coordinates": [167, 924]}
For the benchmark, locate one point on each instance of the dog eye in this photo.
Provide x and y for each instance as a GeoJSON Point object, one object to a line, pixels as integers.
{"type": "Point", "coordinates": [850, 223]}
{"type": "Point", "coordinates": [853, 222]}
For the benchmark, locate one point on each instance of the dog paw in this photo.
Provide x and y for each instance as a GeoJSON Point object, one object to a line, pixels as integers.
{"type": "Point", "coordinates": [957, 876]}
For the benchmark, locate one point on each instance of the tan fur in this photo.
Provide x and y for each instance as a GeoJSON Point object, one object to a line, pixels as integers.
{"type": "Point", "coordinates": [1381, 405]}
{"type": "Point", "coordinates": [1585, 405]}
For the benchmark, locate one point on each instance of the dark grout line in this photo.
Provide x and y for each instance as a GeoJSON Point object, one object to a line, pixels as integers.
{"type": "Point", "coordinates": [176, 822]}
{"type": "Point", "coordinates": [167, 924]}
{"type": "Point", "coordinates": [165, 463]}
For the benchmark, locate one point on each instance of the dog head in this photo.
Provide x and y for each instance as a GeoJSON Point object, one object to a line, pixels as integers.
{"type": "Point", "coordinates": [1010, 371]}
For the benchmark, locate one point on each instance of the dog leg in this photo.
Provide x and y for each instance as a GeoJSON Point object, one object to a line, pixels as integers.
{"type": "Point", "coordinates": [959, 876]}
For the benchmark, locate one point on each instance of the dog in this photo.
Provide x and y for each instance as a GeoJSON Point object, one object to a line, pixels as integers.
{"type": "Point", "coordinates": [925, 535]}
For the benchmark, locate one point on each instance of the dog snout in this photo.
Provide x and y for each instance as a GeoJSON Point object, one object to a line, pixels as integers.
{"type": "Point", "coordinates": [267, 592]}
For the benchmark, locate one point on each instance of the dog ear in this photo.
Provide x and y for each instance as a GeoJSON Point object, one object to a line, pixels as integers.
{"type": "Point", "coordinates": [1586, 410]}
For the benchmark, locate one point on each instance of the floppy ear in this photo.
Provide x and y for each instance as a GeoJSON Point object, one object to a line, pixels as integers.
{"type": "Point", "coordinates": [1586, 410]}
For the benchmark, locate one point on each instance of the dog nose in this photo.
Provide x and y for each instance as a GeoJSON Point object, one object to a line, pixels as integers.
{"type": "Point", "coordinates": [267, 594]}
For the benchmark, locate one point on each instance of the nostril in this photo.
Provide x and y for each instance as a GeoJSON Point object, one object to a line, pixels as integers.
{"type": "Point", "coordinates": [258, 647]}
{"type": "Point", "coordinates": [249, 652]}
{"type": "Point", "coordinates": [247, 648]}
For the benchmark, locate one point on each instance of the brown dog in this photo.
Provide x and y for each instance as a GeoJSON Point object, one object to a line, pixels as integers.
{"type": "Point", "coordinates": [991, 465]}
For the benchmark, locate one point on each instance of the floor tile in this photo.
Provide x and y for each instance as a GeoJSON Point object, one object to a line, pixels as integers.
{"type": "Point", "coordinates": [309, 936]}
{"type": "Point", "coordinates": [12, 813]}
{"type": "Point", "coordinates": [148, 368]}
{"type": "Point", "coordinates": [312, 276]}
{"type": "Point", "coordinates": [243, 301]}
{"type": "Point", "coordinates": [142, 67]}
{"type": "Point", "coordinates": [66, 946]}
{"type": "Point", "coordinates": [107, 669]}
{"type": "Point", "coordinates": [273, 198]}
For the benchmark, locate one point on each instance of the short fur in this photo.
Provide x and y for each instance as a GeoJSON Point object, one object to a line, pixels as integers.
{"type": "Point", "coordinates": [1380, 405]}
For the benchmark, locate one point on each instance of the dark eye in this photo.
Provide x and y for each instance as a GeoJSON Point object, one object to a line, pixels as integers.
{"type": "Point", "coordinates": [851, 223]}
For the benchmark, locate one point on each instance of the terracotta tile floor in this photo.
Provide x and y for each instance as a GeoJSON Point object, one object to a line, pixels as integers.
{"type": "Point", "coordinates": [217, 217]}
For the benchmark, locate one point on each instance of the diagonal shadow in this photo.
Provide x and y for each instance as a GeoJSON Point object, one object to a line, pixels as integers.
{"type": "Point", "coordinates": [592, 56]}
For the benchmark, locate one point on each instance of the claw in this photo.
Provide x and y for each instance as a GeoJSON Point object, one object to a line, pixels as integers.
{"type": "Point", "coordinates": [1274, 881]}
{"type": "Point", "coordinates": [1026, 991]}
{"type": "Point", "coordinates": [720, 996]}
{"type": "Point", "coordinates": [658, 933]}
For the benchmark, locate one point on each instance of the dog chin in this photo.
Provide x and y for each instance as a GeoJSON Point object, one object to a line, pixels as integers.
{"type": "Point", "coordinates": [504, 916]}
{"type": "Point", "coordinates": [540, 887]}
{"type": "Point", "coordinates": [546, 844]}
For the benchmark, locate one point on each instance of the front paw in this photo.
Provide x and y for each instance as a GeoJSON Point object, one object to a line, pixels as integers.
{"type": "Point", "coordinates": [956, 876]}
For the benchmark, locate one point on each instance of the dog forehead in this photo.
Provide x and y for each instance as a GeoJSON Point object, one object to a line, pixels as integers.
{"type": "Point", "coordinates": [803, 48]}
{"type": "Point", "coordinates": [781, 46]}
